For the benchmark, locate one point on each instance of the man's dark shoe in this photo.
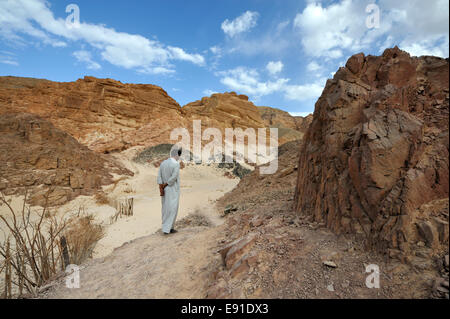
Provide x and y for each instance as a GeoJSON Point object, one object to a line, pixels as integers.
{"type": "Point", "coordinates": [165, 233]}
{"type": "Point", "coordinates": [173, 231]}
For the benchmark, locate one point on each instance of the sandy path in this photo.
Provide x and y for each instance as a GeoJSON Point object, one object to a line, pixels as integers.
{"type": "Point", "coordinates": [135, 261]}
{"type": "Point", "coordinates": [201, 186]}
{"type": "Point", "coordinates": [155, 266]}
{"type": "Point", "coordinates": [151, 268]}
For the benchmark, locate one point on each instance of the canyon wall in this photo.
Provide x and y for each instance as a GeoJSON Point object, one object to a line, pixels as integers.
{"type": "Point", "coordinates": [104, 114]}
{"type": "Point", "coordinates": [375, 160]}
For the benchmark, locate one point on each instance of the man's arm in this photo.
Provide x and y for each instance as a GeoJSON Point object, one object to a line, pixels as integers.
{"type": "Point", "coordinates": [160, 182]}
{"type": "Point", "coordinates": [176, 172]}
{"type": "Point", "coordinates": [159, 178]}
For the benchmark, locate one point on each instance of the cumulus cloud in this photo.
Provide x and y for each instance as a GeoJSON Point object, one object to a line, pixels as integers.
{"type": "Point", "coordinates": [241, 24]}
{"type": "Point", "coordinates": [35, 19]}
{"type": "Point", "coordinates": [304, 92]}
{"type": "Point", "coordinates": [340, 28]}
{"type": "Point", "coordinates": [274, 67]}
{"type": "Point", "coordinates": [85, 57]}
{"type": "Point", "coordinates": [248, 81]}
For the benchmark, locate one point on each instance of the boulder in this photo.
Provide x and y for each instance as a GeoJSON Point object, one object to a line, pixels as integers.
{"type": "Point", "coordinates": [232, 252]}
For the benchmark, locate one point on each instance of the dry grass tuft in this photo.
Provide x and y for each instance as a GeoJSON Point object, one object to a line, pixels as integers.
{"type": "Point", "coordinates": [82, 234]}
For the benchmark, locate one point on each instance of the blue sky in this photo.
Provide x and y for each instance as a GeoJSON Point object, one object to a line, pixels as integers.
{"type": "Point", "coordinates": [278, 52]}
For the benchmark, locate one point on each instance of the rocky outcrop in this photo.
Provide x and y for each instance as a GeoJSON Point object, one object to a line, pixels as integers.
{"type": "Point", "coordinates": [230, 110]}
{"type": "Point", "coordinates": [375, 160]}
{"type": "Point", "coordinates": [104, 114]}
{"type": "Point", "coordinates": [45, 160]}
{"type": "Point", "coordinates": [225, 110]}
{"type": "Point", "coordinates": [274, 117]}
{"type": "Point", "coordinates": [290, 127]}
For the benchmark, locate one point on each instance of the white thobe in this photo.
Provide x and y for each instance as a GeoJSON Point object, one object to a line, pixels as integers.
{"type": "Point", "coordinates": [169, 173]}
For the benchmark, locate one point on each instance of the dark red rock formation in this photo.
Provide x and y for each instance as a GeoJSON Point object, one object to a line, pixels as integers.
{"type": "Point", "coordinates": [377, 151]}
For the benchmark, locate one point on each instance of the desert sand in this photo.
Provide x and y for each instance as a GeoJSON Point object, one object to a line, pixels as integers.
{"type": "Point", "coordinates": [201, 186]}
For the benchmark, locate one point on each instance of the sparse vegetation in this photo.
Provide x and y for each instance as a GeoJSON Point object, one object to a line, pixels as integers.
{"type": "Point", "coordinates": [32, 252]}
{"type": "Point", "coordinates": [82, 234]}
{"type": "Point", "coordinates": [124, 208]}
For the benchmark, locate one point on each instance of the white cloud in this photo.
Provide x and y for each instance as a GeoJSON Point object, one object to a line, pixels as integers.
{"type": "Point", "coordinates": [339, 29]}
{"type": "Point", "coordinates": [157, 70]}
{"type": "Point", "coordinates": [35, 19]}
{"type": "Point", "coordinates": [180, 54]}
{"type": "Point", "coordinates": [305, 92]}
{"type": "Point", "coordinates": [426, 47]}
{"type": "Point", "coordinates": [313, 66]}
{"type": "Point", "coordinates": [302, 114]}
{"type": "Point", "coordinates": [9, 58]}
{"type": "Point", "coordinates": [274, 67]}
{"type": "Point", "coordinates": [85, 57]}
{"type": "Point", "coordinates": [10, 62]}
{"type": "Point", "coordinates": [325, 30]}
{"type": "Point", "coordinates": [247, 81]}
{"type": "Point", "coordinates": [241, 24]}
{"type": "Point", "coordinates": [209, 92]}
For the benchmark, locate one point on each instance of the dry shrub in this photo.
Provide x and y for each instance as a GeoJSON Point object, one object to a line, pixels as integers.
{"type": "Point", "coordinates": [116, 182]}
{"type": "Point", "coordinates": [31, 254]}
{"type": "Point", "coordinates": [82, 234]}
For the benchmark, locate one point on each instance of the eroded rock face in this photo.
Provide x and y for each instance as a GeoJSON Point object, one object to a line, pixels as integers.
{"type": "Point", "coordinates": [290, 127]}
{"type": "Point", "coordinates": [377, 152]}
{"type": "Point", "coordinates": [110, 116]}
{"type": "Point", "coordinates": [104, 114]}
{"type": "Point", "coordinates": [40, 157]}
{"type": "Point", "coordinates": [225, 110]}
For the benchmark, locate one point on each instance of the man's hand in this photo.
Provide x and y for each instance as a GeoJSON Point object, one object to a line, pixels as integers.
{"type": "Point", "coordinates": [161, 189]}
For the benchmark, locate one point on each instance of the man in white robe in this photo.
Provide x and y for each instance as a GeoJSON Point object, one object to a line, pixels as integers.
{"type": "Point", "coordinates": [169, 186]}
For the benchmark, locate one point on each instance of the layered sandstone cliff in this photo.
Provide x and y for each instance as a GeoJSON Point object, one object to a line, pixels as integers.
{"type": "Point", "coordinates": [37, 156]}
{"type": "Point", "coordinates": [104, 114]}
{"type": "Point", "coordinates": [375, 160]}
{"type": "Point", "coordinates": [225, 110]}
{"type": "Point", "coordinates": [110, 116]}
